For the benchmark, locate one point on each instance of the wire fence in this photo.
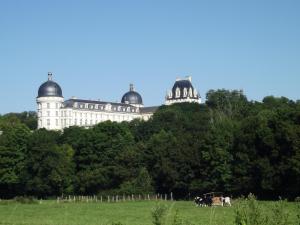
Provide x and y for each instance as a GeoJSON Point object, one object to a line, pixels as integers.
{"type": "Point", "coordinates": [115, 198]}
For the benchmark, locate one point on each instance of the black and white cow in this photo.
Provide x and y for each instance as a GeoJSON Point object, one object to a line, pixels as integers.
{"type": "Point", "coordinates": [203, 202]}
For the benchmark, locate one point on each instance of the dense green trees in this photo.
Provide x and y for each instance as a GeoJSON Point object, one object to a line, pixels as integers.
{"type": "Point", "coordinates": [229, 144]}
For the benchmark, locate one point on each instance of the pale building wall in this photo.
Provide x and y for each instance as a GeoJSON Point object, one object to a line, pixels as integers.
{"type": "Point", "coordinates": [49, 109]}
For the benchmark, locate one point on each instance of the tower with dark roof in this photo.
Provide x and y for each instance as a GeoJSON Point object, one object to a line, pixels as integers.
{"type": "Point", "coordinates": [49, 102]}
{"type": "Point", "coordinates": [183, 91]}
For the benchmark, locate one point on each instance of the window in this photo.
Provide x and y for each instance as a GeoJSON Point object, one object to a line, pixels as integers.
{"type": "Point", "coordinates": [80, 122]}
{"type": "Point", "coordinates": [56, 122]}
{"type": "Point", "coordinates": [56, 113]}
{"type": "Point", "coordinates": [48, 105]}
{"type": "Point", "coordinates": [191, 92]}
{"type": "Point", "coordinates": [48, 113]}
{"type": "Point", "coordinates": [48, 122]}
{"type": "Point", "coordinates": [86, 123]}
{"type": "Point", "coordinates": [57, 105]}
{"type": "Point", "coordinates": [91, 122]}
{"type": "Point", "coordinates": [75, 121]}
{"type": "Point", "coordinates": [177, 92]}
{"type": "Point", "coordinates": [184, 92]}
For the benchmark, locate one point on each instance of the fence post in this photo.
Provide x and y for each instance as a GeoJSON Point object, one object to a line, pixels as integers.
{"type": "Point", "coordinates": [171, 196]}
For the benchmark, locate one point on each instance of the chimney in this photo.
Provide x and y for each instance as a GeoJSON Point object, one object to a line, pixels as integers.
{"type": "Point", "coordinates": [49, 76]}
{"type": "Point", "coordinates": [131, 87]}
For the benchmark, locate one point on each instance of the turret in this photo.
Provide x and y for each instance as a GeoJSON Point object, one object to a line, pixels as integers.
{"type": "Point", "coordinates": [49, 102]}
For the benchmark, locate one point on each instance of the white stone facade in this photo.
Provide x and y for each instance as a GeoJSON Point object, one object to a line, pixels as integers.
{"type": "Point", "coordinates": [54, 113]}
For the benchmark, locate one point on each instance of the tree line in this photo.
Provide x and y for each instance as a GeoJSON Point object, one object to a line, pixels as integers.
{"type": "Point", "coordinates": [228, 144]}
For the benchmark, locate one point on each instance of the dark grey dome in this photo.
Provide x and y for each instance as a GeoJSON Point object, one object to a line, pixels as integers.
{"type": "Point", "coordinates": [132, 97]}
{"type": "Point", "coordinates": [50, 88]}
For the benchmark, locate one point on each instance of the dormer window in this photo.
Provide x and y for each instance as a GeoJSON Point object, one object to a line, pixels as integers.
{"type": "Point", "coordinates": [108, 107]}
{"type": "Point", "coordinates": [195, 93]}
{"type": "Point", "coordinates": [184, 92]}
{"type": "Point", "coordinates": [177, 92]}
{"type": "Point", "coordinates": [191, 92]}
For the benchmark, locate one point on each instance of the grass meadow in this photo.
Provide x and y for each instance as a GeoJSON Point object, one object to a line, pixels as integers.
{"type": "Point", "coordinates": [126, 213]}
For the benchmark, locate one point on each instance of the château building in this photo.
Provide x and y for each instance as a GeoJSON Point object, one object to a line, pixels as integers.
{"type": "Point", "coordinates": [56, 113]}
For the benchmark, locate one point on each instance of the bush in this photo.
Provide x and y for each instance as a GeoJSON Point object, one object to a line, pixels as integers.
{"type": "Point", "coordinates": [159, 214]}
{"type": "Point", "coordinates": [248, 212]}
{"type": "Point", "coordinates": [279, 214]}
{"type": "Point", "coordinates": [26, 200]}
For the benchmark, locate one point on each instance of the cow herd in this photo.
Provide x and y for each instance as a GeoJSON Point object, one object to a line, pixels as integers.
{"type": "Point", "coordinates": [206, 201]}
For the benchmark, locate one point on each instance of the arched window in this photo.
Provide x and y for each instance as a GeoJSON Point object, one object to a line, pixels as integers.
{"type": "Point", "coordinates": [195, 93]}
{"type": "Point", "coordinates": [177, 92]}
{"type": "Point", "coordinates": [184, 92]}
{"type": "Point", "coordinates": [191, 92]}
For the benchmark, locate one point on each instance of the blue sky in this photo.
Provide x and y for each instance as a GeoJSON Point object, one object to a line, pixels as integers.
{"type": "Point", "coordinates": [96, 48]}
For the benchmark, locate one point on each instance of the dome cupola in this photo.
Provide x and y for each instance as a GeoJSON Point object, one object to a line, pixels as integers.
{"type": "Point", "coordinates": [132, 97]}
{"type": "Point", "coordinates": [50, 88]}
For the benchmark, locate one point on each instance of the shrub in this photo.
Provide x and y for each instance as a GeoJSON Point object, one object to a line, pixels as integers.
{"type": "Point", "coordinates": [159, 214]}
{"type": "Point", "coordinates": [25, 200]}
{"type": "Point", "coordinates": [279, 215]}
{"type": "Point", "coordinates": [248, 212]}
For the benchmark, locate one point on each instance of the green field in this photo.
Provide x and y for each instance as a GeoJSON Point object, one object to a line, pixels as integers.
{"type": "Point", "coordinates": [129, 213]}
